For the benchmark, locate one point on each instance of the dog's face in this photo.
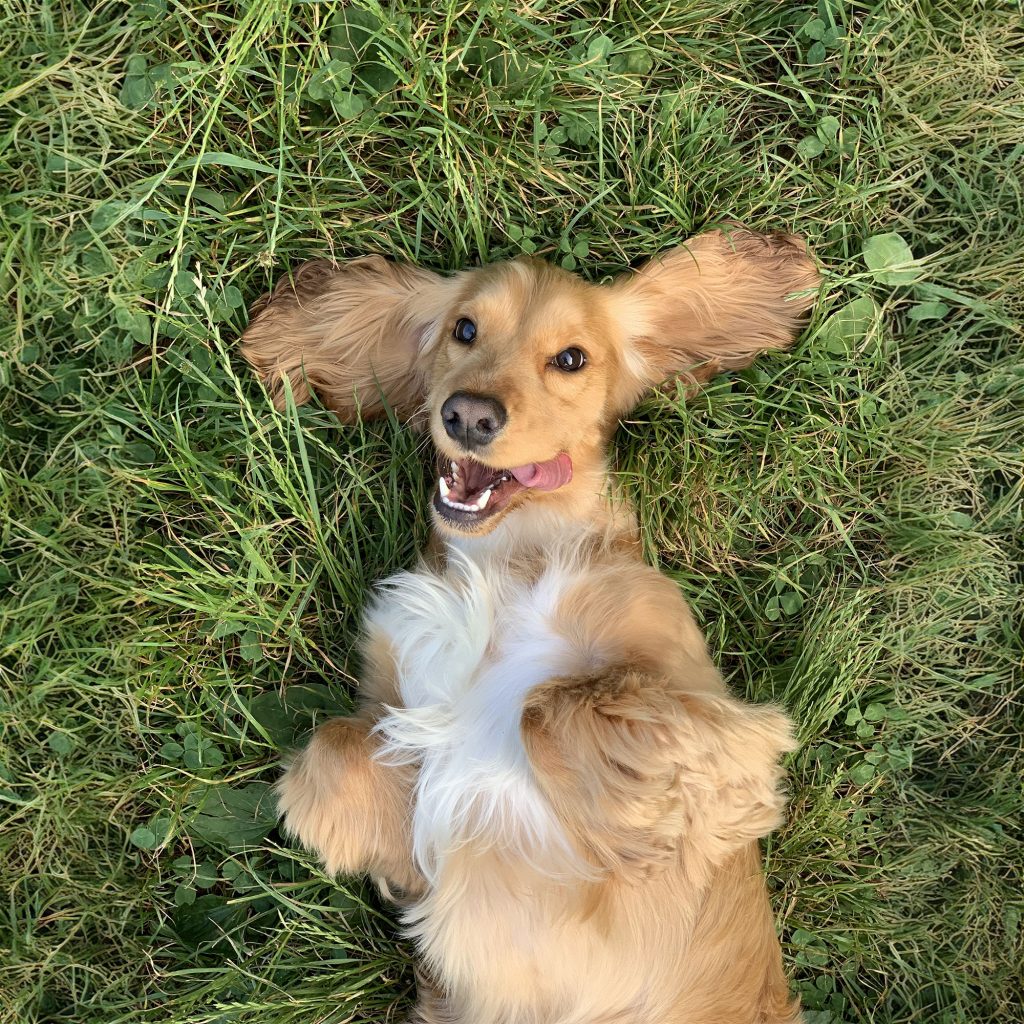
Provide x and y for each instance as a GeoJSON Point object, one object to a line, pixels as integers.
{"type": "Point", "coordinates": [520, 390]}
{"type": "Point", "coordinates": [520, 370]}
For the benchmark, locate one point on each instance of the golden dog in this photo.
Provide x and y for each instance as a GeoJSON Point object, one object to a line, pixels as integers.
{"type": "Point", "coordinates": [546, 769]}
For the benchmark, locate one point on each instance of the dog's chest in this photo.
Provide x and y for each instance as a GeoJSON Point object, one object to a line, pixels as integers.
{"type": "Point", "coordinates": [468, 646]}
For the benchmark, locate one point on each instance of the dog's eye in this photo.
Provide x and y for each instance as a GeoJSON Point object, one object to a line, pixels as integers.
{"type": "Point", "coordinates": [465, 331]}
{"type": "Point", "coordinates": [570, 359]}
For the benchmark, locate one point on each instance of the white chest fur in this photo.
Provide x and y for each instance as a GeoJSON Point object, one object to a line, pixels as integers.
{"type": "Point", "coordinates": [469, 645]}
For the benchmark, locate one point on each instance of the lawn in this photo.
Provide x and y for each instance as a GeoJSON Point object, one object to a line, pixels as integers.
{"type": "Point", "coordinates": [182, 569]}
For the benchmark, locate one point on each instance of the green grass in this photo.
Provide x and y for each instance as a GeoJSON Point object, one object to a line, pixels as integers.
{"type": "Point", "coordinates": [847, 519]}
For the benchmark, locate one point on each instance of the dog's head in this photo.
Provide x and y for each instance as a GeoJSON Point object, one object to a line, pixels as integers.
{"type": "Point", "coordinates": [520, 370]}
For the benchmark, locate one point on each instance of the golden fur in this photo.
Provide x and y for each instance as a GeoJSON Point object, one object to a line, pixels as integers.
{"type": "Point", "coordinates": [635, 895]}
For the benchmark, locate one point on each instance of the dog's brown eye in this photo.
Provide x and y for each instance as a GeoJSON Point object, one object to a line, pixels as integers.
{"type": "Point", "coordinates": [465, 331]}
{"type": "Point", "coordinates": [570, 359]}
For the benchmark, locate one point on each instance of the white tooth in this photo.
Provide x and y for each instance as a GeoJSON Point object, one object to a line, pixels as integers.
{"type": "Point", "coordinates": [455, 468]}
{"type": "Point", "coordinates": [481, 502]}
{"type": "Point", "coordinates": [461, 506]}
{"type": "Point", "coordinates": [444, 487]}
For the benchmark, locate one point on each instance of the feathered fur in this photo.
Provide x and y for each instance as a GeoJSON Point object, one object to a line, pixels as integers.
{"type": "Point", "coordinates": [547, 771]}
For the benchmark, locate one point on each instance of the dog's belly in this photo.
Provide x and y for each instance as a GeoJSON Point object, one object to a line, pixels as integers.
{"type": "Point", "coordinates": [508, 946]}
{"type": "Point", "coordinates": [468, 646]}
{"type": "Point", "coordinates": [505, 925]}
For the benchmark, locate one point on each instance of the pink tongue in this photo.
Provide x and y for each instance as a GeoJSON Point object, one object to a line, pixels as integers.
{"type": "Point", "coordinates": [545, 476]}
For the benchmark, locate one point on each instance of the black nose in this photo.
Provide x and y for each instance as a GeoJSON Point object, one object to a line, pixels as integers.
{"type": "Point", "coordinates": [473, 420]}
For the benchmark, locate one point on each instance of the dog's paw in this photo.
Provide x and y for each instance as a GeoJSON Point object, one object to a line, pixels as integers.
{"type": "Point", "coordinates": [616, 701]}
{"type": "Point", "coordinates": [321, 795]}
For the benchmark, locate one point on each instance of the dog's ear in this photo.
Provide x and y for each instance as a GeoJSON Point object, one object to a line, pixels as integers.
{"type": "Point", "coordinates": [710, 305]}
{"type": "Point", "coordinates": [359, 334]}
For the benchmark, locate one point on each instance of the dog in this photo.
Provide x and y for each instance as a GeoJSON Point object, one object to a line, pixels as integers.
{"type": "Point", "coordinates": [545, 769]}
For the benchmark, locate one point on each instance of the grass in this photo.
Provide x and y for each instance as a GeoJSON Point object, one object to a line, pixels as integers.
{"type": "Point", "coordinates": [175, 557]}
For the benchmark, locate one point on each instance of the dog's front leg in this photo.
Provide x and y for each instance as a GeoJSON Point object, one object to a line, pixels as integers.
{"type": "Point", "coordinates": [349, 808]}
{"type": "Point", "coordinates": [593, 745]}
{"type": "Point", "coordinates": [637, 768]}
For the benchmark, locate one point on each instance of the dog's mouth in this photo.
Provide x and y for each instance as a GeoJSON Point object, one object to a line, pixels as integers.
{"type": "Point", "coordinates": [468, 492]}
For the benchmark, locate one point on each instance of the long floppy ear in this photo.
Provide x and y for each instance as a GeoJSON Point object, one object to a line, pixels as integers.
{"type": "Point", "coordinates": [641, 775]}
{"type": "Point", "coordinates": [357, 333]}
{"type": "Point", "coordinates": [709, 305]}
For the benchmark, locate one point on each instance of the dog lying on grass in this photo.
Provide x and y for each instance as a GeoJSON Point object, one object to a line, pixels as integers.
{"type": "Point", "coordinates": [546, 769]}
